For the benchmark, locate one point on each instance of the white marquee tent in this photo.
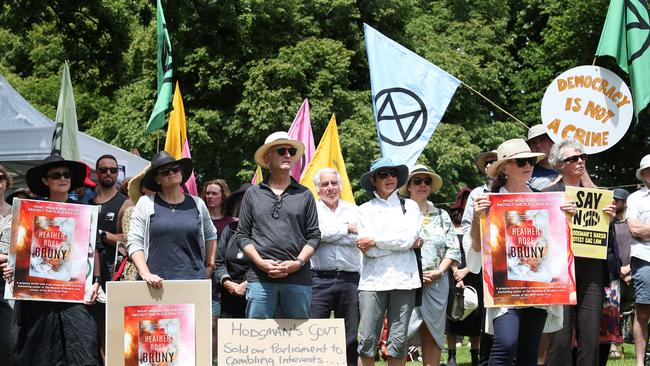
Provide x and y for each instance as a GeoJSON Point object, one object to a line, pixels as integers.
{"type": "Point", "coordinates": [26, 138]}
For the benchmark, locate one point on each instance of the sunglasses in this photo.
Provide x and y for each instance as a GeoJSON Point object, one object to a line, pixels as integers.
{"type": "Point", "coordinates": [277, 205]}
{"type": "Point", "coordinates": [282, 151]}
{"type": "Point", "coordinates": [574, 158]}
{"type": "Point", "coordinates": [105, 170]}
{"type": "Point", "coordinates": [521, 162]}
{"type": "Point", "coordinates": [417, 181]}
{"type": "Point", "coordinates": [58, 175]}
{"type": "Point", "coordinates": [383, 174]}
{"type": "Point", "coordinates": [167, 171]}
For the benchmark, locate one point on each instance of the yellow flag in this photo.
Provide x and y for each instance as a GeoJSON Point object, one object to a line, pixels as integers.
{"type": "Point", "coordinates": [328, 155]}
{"type": "Point", "coordinates": [257, 177]}
{"type": "Point", "coordinates": [176, 130]}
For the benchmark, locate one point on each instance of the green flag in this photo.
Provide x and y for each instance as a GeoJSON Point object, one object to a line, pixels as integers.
{"type": "Point", "coordinates": [164, 73]}
{"type": "Point", "coordinates": [64, 140]}
{"type": "Point", "coordinates": [626, 37]}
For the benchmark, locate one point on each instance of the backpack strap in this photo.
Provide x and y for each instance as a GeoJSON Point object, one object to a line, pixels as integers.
{"type": "Point", "coordinates": [402, 202]}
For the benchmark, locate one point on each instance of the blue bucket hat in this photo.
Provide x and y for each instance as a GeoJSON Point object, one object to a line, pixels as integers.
{"type": "Point", "coordinates": [366, 178]}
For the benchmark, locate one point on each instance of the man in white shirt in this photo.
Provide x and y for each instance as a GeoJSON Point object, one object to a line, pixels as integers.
{"type": "Point", "coordinates": [335, 266]}
{"type": "Point", "coordinates": [638, 220]}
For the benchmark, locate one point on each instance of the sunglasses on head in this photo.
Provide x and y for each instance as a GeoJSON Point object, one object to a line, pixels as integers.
{"type": "Point", "coordinates": [521, 162]}
{"type": "Point", "coordinates": [418, 180]}
{"type": "Point", "coordinates": [58, 175]}
{"type": "Point", "coordinates": [105, 170]}
{"type": "Point", "coordinates": [383, 174]}
{"type": "Point", "coordinates": [574, 158]}
{"type": "Point", "coordinates": [282, 151]}
{"type": "Point", "coordinates": [171, 170]}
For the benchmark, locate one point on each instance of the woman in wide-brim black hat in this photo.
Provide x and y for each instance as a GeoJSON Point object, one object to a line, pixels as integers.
{"type": "Point", "coordinates": [67, 331]}
{"type": "Point", "coordinates": [171, 235]}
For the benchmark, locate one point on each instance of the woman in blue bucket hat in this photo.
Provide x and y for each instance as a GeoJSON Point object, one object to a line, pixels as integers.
{"type": "Point", "coordinates": [389, 227]}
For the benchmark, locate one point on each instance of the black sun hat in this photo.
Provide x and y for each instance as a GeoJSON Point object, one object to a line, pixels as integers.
{"type": "Point", "coordinates": [35, 175]}
{"type": "Point", "coordinates": [160, 160]}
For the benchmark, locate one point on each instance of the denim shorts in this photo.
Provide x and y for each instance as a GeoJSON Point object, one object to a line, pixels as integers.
{"type": "Point", "coordinates": [641, 280]}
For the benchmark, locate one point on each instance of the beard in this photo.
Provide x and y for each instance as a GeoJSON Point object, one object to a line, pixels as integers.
{"type": "Point", "coordinates": [107, 183]}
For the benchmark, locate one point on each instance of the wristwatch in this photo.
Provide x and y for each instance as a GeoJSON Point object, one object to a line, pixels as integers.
{"type": "Point", "coordinates": [301, 261]}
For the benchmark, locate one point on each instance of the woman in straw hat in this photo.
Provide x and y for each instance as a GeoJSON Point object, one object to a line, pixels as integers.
{"type": "Point", "coordinates": [517, 330]}
{"type": "Point", "coordinates": [171, 235]}
{"type": "Point", "coordinates": [440, 250]}
{"type": "Point", "coordinates": [388, 231]}
{"type": "Point", "coordinates": [56, 333]}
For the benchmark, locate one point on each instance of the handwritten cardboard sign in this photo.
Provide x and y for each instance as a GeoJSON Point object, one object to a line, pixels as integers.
{"type": "Point", "coordinates": [590, 104]}
{"type": "Point", "coordinates": [281, 342]}
{"type": "Point", "coordinates": [590, 224]}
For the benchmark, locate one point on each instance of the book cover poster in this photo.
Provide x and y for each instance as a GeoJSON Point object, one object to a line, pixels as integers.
{"type": "Point", "coordinates": [590, 224]}
{"type": "Point", "coordinates": [159, 335]}
{"type": "Point", "coordinates": [52, 243]}
{"type": "Point", "coordinates": [52, 251]}
{"type": "Point", "coordinates": [526, 247]}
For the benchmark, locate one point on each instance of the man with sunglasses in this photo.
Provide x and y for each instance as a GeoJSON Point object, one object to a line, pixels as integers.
{"type": "Point", "coordinates": [278, 232]}
{"type": "Point", "coordinates": [112, 203]}
{"type": "Point", "coordinates": [109, 228]}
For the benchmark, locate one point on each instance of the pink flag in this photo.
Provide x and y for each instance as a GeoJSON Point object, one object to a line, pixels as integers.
{"type": "Point", "coordinates": [301, 130]}
{"type": "Point", "coordinates": [190, 185]}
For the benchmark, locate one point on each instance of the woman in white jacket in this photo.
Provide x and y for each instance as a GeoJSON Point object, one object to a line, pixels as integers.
{"type": "Point", "coordinates": [388, 232]}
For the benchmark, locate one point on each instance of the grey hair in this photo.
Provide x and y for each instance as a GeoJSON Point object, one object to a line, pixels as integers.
{"type": "Point", "coordinates": [327, 171]}
{"type": "Point", "coordinates": [555, 155]}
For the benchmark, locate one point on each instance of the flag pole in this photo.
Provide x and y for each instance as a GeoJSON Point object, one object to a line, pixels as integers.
{"type": "Point", "coordinates": [494, 104]}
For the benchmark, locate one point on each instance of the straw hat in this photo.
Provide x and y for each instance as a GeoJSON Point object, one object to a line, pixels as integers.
{"type": "Point", "coordinates": [274, 139]}
{"type": "Point", "coordinates": [509, 150]}
{"type": "Point", "coordinates": [35, 175]}
{"type": "Point", "coordinates": [421, 169]}
{"type": "Point", "coordinates": [135, 185]}
{"type": "Point", "coordinates": [536, 131]}
{"type": "Point", "coordinates": [161, 159]}
{"type": "Point", "coordinates": [483, 158]}
{"type": "Point", "coordinates": [366, 178]}
{"type": "Point", "coordinates": [645, 163]}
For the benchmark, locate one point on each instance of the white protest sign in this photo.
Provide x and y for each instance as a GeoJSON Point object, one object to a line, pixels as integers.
{"type": "Point", "coordinates": [281, 342]}
{"type": "Point", "coordinates": [590, 104]}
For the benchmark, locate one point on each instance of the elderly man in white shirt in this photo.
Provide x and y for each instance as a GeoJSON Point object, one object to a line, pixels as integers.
{"type": "Point", "coordinates": [638, 220]}
{"type": "Point", "coordinates": [336, 264]}
{"type": "Point", "coordinates": [388, 232]}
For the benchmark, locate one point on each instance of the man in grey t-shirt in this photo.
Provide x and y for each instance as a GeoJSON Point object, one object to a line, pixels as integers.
{"type": "Point", "coordinates": [278, 231]}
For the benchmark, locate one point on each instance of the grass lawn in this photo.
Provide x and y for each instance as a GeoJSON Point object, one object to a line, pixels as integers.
{"type": "Point", "coordinates": [463, 358]}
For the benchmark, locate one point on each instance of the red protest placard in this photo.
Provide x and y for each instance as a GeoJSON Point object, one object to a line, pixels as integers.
{"type": "Point", "coordinates": [52, 251]}
{"type": "Point", "coordinates": [527, 256]}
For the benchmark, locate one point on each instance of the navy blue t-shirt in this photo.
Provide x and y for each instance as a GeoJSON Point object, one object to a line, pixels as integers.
{"type": "Point", "coordinates": [174, 234]}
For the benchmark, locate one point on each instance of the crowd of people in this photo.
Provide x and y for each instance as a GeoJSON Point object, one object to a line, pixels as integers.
{"type": "Point", "coordinates": [388, 267]}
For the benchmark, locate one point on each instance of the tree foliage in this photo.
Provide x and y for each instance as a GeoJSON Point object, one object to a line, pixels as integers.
{"type": "Point", "coordinates": [244, 67]}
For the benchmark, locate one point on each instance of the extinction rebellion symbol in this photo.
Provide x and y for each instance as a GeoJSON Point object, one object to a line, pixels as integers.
{"type": "Point", "coordinates": [410, 123]}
